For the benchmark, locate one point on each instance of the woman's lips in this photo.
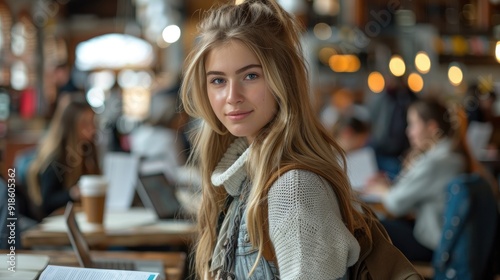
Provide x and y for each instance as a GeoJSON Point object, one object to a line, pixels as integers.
{"type": "Point", "coordinates": [236, 116]}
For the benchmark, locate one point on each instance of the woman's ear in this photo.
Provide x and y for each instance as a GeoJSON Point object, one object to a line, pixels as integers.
{"type": "Point", "coordinates": [433, 128]}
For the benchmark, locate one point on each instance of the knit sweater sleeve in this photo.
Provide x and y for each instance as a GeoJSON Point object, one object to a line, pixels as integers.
{"type": "Point", "coordinates": [306, 228]}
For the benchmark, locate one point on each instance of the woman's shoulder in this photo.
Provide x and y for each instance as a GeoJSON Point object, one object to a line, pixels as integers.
{"type": "Point", "coordinates": [305, 193]}
{"type": "Point", "coordinates": [300, 176]}
{"type": "Point", "coordinates": [445, 156]}
{"type": "Point", "coordinates": [439, 161]}
{"type": "Point", "coordinates": [300, 182]}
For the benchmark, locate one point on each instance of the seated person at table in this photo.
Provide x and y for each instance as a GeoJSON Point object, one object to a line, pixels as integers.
{"type": "Point", "coordinates": [480, 107]}
{"type": "Point", "coordinates": [352, 130]}
{"type": "Point", "coordinates": [67, 151]}
{"type": "Point", "coordinates": [438, 154]}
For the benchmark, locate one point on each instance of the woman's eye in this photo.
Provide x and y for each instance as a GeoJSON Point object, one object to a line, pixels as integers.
{"type": "Point", "coordinates": [217, 81]}
{"type": "Point", "coordinates": [251, 76]}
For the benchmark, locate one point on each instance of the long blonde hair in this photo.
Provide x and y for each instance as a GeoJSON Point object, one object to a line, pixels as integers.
{"type": "Point", "coordinates": [62, 149]}
{"type": "Point", "coordinates": [294, 136]}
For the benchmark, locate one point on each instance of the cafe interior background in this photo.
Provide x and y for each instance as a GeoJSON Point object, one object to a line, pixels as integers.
{"type": "Point", "coordinates": [135, 48]}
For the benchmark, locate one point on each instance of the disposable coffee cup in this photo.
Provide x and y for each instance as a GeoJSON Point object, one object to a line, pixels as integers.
{"type": "Point", "coordinates": [93, 196]}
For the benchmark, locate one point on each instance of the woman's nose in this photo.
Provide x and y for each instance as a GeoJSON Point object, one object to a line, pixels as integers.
{"type": "Point", "coordinates": [234, 94]}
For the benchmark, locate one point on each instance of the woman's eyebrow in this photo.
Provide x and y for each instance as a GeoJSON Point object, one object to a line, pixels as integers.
{"type": "Point", "coordinates": [242, 69]}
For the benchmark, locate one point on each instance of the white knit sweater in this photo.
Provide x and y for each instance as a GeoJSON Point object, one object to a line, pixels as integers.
{"type": "Point", "coordinates": [305, 223]}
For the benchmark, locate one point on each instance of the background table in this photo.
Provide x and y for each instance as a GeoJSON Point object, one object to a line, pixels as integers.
{"type": "Point", "coordinates": [136, 227]}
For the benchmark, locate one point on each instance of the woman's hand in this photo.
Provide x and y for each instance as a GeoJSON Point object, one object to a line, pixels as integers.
{"type": "Point", "coordinates": [378, 185]}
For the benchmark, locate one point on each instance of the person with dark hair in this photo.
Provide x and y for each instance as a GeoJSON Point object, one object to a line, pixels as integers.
{"type": "Point", "coordinates": [479, 106]}
{"type": "Point", "coordinates": [388, 122]}
{"type": "Point", "coordinates": [438, 154]}
{"type": "Point", "coordinates": [352, 129]}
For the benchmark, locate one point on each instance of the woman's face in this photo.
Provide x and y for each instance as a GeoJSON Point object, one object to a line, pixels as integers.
{"type": "Point", "coordinates": [86, 126]}
{"type": "Point", "coordinates": [237, 90]}
{"type": "Point", "coordinates": [419, 132]}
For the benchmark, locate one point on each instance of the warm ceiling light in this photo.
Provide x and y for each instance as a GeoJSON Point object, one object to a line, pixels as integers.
{"type": "Point", "coordinates": [497, 51]}
{"type": "Point", "coordinates": [397, 66]}
{"type": "Point", "coordinates": [423, 62]}
{"type": "Point", "coordinates": [376, 82]}
{"type": "Point", "coordinates": [344, 63]}
{"type": "Point", "coordinates": [455, 75]}
{"type": "Point", "coordinates": [415, 82]}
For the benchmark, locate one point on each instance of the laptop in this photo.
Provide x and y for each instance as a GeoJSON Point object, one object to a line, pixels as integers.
{"type": "Point", "coordinates": [159, 194]}
{"type": "Point", "coordinates": [81, 248]}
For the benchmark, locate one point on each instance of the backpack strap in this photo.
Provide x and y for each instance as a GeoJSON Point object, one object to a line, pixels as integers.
{"type": "Point", "coordinates": [378, 257]}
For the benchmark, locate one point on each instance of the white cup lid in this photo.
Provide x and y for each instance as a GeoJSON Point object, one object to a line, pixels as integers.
{"type": "Point", "coordinates": [93, 185]}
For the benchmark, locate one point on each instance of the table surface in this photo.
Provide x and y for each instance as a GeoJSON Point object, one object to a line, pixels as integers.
{"type": "Point", "coordinates": [174, 262]}
{"type": "Point", "coordinates": [136, 227]}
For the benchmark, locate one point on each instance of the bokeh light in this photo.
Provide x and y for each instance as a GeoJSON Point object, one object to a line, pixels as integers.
{"type": "Point", "coordinates": [171, 34]}
{"type": "Point", "coordinates": [415, 82]}
{"type": "Point", "coordinates": [376, 82]}
{"type": "Point", "coordinates": [344, 63]}
{"type": "Point", "coordinates": [423, 62]}
{"type": "Point", "coordinates": [497, 51]}
{"type": "Point", "coordinates": [455, 75]}
{"type": "Point", "coordinates": [397, 66]}
{"type": "Point", "coordinates": [322, 31]}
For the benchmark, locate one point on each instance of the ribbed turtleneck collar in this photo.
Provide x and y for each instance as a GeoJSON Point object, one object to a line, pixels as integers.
{"type": "Point", "coordinates": [230, 172]}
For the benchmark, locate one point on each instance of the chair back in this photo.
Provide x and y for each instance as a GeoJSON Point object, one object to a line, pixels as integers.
{"type": "Point", "coordinates": [470, 227]}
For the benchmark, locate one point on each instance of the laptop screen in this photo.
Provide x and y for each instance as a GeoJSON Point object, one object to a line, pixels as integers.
{"type": "Point", "coordinates": [76, 238]}
{"type": "Point", "coordinates": [157, 193]}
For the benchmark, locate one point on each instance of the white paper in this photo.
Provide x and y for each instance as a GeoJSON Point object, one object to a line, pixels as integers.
{"type": "Point", "coordinates": [26, 266]}
{"type": "Point", "coordinates": [19, 275]}
{"type": "Point", "coordinates": [53, 272]}
{"type": "Point", "coordinates": [121, 170]}
{"type": "Point", "coordinates": [478, 136]}
{"type": "Point", "coordinates": [361, 165]}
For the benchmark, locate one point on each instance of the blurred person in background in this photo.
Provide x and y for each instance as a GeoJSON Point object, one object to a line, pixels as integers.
{"type": "Point", "coordinates": [339, 101]}
{"type": "Point", "coordinates": [438, 154]}
{"type": "Point", "coordinates": [66, 152]}
{"type": "Point", "coordinates": [388, 122]}
{"type": "Point", "coordinates": [352, 129]}
{"type": "Point", "coordinates": [162, 136]}
{"type": "Point", "coordinates": [480, 107]}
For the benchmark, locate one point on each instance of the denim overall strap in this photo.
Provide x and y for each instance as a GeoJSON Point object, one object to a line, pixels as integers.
{"type": "Point", "coordinates": [226, 272]}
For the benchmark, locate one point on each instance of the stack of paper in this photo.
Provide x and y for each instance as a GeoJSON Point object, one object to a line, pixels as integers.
{"type": "Point", "coordinates": [22, 266]}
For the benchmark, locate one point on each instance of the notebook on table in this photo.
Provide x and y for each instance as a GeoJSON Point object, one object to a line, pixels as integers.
{"type": "Point", "coordinates": [82, 251]}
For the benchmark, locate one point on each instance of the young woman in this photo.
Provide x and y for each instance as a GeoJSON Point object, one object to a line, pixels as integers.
{"type": "Point", "coordinates": [67, 152]}
{"type": "Point", "coordinates": [438, 154]}
{"type": "Point", "coordinates": [247, 82]}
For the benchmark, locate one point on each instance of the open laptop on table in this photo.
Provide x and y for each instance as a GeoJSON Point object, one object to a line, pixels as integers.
{"type": "Point", "coordinates": [158, 194]}
{"type": "Point", "coordinates": [81, 248]}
